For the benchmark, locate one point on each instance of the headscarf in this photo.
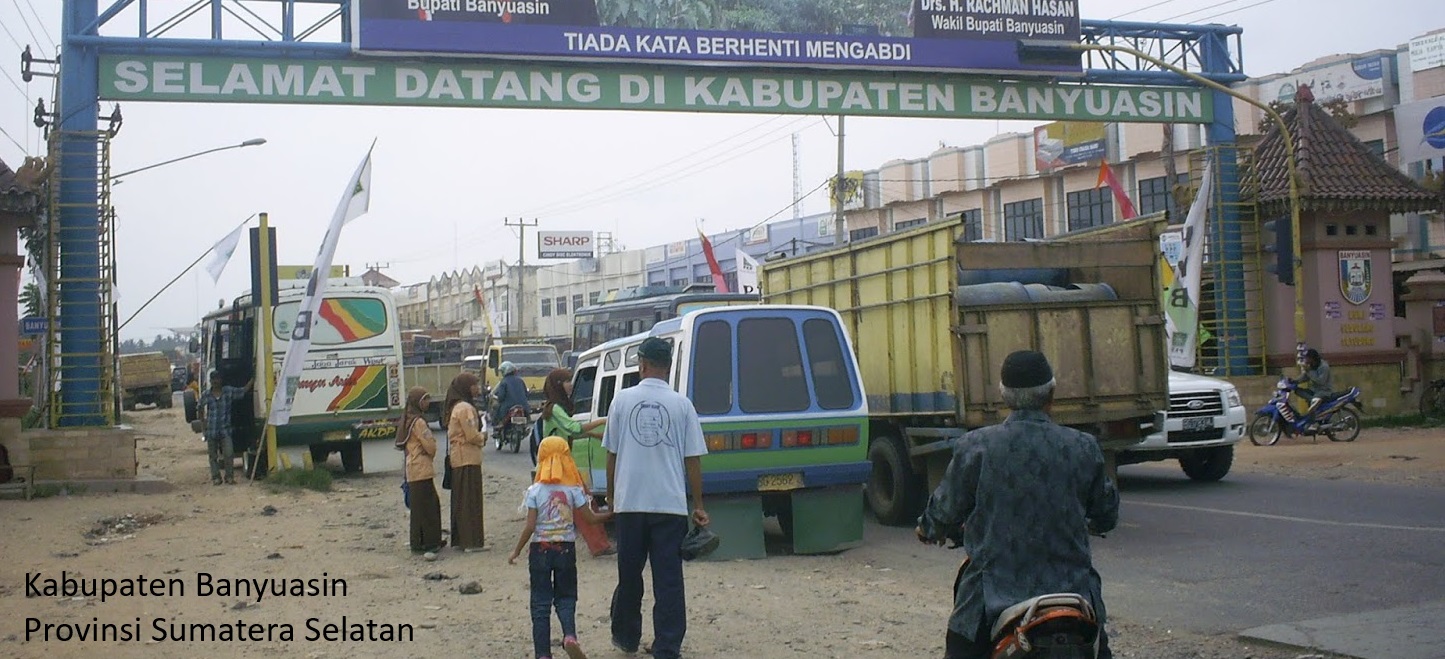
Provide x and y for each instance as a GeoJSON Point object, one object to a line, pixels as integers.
{"type": "Point", "coordinates": [411, 412]}
{"type": "Point", "coordinates": [459, 391]}
{"type": "Point", "coordinates": [555, 465]}
{"type": "Point", "coordinates": [555, 389]}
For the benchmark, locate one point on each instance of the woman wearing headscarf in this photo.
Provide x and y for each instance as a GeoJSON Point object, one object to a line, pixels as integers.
{"type": "Point", "coordinates": [421, 451]}
{"type": "Point", "coordinates": [465, 441]}
{"type": "Point", "coordinates": [557, 421]}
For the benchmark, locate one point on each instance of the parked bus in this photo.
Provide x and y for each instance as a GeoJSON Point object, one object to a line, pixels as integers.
{"type": "Point", "coordinates": [351, 388]}
{"type": "Point", "coordinates": [783, 412]}
{"type": "Point", "coordinates": [599, 323]}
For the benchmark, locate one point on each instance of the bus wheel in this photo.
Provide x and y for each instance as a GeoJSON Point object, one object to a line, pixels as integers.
{"type": "Point", "coordinates": [351, 457]}
{"type": "Point", "coordinates": [893, 488]}
{"type": "Point", "coordinates": [319, 453]}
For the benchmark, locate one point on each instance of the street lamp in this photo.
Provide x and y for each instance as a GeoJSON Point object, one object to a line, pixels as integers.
{"type": "Point", "coordinates": [255, 141]}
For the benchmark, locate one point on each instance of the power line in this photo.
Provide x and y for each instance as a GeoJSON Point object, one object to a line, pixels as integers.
{"type": "Point", "coordinates": [1201, 9]}
{"type": "Point", "coordinates": [1264, 2]}
{"type": "Point", "coordinates": [54, 48]}
{"type": "Point", "coordinates": [26, 22]}
{"type": "Point", "coordinates": [1145, 8]}
{"type": "Point", "coordinates": [6, 133]}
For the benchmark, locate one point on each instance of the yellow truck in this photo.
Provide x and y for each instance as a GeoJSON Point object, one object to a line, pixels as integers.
{"type": "Point", "coordinates": [145, 379]}
{"type": "Point", "coordinates": [932, 318]}
{"type": "Point", "coordinates": [533, 361]}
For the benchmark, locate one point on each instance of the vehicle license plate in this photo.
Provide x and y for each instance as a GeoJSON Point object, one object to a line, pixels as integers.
{"type": "Point", "coordinates": [1199, 423]}
{"type": "Point", "coordinates": [778, 482]}
{"type": "Point", "coordinates": [335, 435]}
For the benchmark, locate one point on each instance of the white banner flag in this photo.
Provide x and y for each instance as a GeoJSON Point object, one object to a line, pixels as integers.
{"type": "Point", "coordinates": [747, 274]}
{"type": "Point", "coordinates": [1420, 129]}
{"type": "Point", "coordinates": [1182, 304]}
{"type": "Point", "coordinates": [222, 251]}
{"type": "Point", "coordinates": [355, 201]}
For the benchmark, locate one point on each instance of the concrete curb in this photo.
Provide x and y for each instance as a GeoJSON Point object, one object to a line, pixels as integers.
{"type": "Point", "coordinates": [115, 486]}
{"type": "Point", "coordinates": [1412, 632]}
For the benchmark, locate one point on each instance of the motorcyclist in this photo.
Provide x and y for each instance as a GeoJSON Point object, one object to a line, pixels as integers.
{"type": "Point", "coordinates": [510, 392]}
{"type": "Point", "coordinates": [1021, 498]}
{"type": "Point", "coordinates": [1314, 383]}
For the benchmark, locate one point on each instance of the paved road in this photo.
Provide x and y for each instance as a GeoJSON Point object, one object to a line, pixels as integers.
{"type": "Point", "coordinates": [1222, 557]}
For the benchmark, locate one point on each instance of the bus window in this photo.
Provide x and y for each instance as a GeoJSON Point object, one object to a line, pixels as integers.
{"type": "Point", "coordinates": [630, 380]}
{"type": "Point", "coordinates": [825, 360]}
{"type": "Point", "coordinates": [605, 394]}
{"type": "Point", "coordinates": [770, 367]}
{"type": "Point", "coordinates": [613, 360]}
{"type": "Point", "coordinates": [712, 370]}
{"type": "Point", "coordinates": [583, 387]}
{"type": "Point", "coordinates": [341, 320]}
{"type": "Point", "coordinates": [630, 360]}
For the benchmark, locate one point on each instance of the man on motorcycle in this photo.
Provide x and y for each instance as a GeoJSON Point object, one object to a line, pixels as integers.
{"type": "Point", "coordinates": [1314, 383]}
{"type": "Point", "coordinates": [510, 392]}
{"type": "Point", "coordinates": [1021, 498]}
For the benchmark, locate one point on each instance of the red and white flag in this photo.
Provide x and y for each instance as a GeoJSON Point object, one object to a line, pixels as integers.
{"type": "Point", "coordinates": [1121, 196]}
{"type": "Point", "coordinates": [720, 284]}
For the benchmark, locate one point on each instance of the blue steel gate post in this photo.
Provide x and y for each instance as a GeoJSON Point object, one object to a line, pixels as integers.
{"type": "Point", "coordinates": [80, 310]}
{"type": "Point", "coordinates": [1228, 238]}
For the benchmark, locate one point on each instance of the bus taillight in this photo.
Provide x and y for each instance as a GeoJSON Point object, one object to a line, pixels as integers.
{"type": "Point", "coordinates": [848, 435]}
{"type": "Point", "coordinates": [750, 440]}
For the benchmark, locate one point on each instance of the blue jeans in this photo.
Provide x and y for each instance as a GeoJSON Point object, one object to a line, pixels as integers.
{"type": "Point", "coordinates": [657, 539]}
{"type": "Point", "coordinates": [553, 566]}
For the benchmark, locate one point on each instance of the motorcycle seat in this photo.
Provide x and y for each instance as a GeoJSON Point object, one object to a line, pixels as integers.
{"type": "Point", "coordinates": [1019, 615]}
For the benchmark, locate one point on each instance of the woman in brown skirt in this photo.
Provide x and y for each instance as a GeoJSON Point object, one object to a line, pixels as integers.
{"type": "Point", "coordinates": [421, 451]}
{"type": "Point", "coordinates": [465, 441]}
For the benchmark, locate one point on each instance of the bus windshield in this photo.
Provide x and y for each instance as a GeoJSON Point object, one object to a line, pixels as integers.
{"type": "Point", "coordinates": [536, 356]}
{"type": "Point", "coordinates": [601, 323]}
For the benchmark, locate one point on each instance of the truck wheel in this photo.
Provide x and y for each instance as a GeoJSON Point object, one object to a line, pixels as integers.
{"type": "Point", "coordinates": [188, 401]}
{"type": "Point", "coordinates": [1208, 464]}
{"type": "Point", "coordinates": [164, 402]}
{"type": "Point", "coordinates": [319, 453]}
{"type": "Point", "coordinates": [128, 404]}
{"type": "Point", "coordinates": [893, 489]}
{"type": "Point", "coordinates": [351, 457]}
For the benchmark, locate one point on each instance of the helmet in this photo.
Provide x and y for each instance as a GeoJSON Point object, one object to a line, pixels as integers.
{"type": "Point", "coordinates": [507, 368]}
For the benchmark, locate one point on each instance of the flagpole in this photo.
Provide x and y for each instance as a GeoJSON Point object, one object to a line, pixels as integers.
{"type": "Point", "coordinates": [173, 281]}
{"type": "Point", "coordinates": [268, 360]}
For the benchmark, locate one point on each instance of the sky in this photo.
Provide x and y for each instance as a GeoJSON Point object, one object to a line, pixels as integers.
{"type": "Point", "coordinates": [445, 180]}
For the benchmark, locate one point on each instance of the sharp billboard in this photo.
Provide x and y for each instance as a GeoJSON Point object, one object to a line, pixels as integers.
{"type": "Point", "coordinates": [565, 245]}
{"type": "Point", "coordinates": [936, 35]}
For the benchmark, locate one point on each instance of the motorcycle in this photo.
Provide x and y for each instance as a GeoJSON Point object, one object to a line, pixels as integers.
{"type": "Point", "coordinates": [1334, 418]}
{"type": "Point", "coordinates": [514, 428]}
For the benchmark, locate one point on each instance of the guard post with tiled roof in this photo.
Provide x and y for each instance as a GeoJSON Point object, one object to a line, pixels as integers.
{"type": "Point", "coordinates": [1347, 194]}
{"type": "Point", "coordinates": [20, 204]}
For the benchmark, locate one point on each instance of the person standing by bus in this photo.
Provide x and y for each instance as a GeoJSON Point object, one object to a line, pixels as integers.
{"type": "Point", "coordinates": [557, 421]}
{"type": "Point", "coordinates": [465, 441]}
{"type": "Point", "coordinates": [215, 410]}
{"type": "Point", "coordinates": [421, 451]}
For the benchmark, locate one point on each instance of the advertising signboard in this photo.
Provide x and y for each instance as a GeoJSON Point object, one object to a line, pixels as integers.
{"type": "Point", "coordinates": [565, 245]}
{"type": "Point", "coordinates": [1420, 129]}
{"type": "Point", "coordinates": [852, 193]}
{"type": "Point", "coordinates": [938, 35]}
{"type": "Point", "coordinates": [545, 86]}
{"type": "Point", "coordinates": [1351, 80]}
{"type": "Point", "coordinates": [1427, 52]}
{"type": "Point", "coordinates": [285, 272]}
{"type": "Point", "coordinates": [1068, 143]}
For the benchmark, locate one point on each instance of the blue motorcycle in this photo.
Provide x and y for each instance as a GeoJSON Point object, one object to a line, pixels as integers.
{"type": "Point", "coordinates": [1334, 418]}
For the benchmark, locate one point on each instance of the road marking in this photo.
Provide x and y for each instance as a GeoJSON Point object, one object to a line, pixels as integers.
{"type": "Point", "coordinates": [1288, 518]}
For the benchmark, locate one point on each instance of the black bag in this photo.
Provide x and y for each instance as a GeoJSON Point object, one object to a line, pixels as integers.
{"type": "Point", "coordinates": [447, 474]}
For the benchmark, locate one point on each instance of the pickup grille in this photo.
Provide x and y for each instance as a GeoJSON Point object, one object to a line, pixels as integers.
{"type": "Point", "coordinates": [1196, 403]}
{"type": "Point", "coordinates": [1196, 436]}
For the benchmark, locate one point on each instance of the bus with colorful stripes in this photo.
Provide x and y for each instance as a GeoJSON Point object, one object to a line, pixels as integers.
{"type": "Point", "coordinates": [351, 390]}
{"type": "Point", "coordinates": [783, 412]}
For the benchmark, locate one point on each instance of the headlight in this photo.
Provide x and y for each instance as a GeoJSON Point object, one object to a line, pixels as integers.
{"type": "Point", "coordinates": [1231, 397]}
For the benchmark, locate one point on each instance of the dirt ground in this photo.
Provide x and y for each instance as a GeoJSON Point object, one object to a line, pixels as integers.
{"type": "Point", "coordinates": [780, 608]}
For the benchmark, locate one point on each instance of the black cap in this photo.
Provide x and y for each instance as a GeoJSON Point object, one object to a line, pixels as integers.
{"type": "Point", "coordinates": [655, 350]}
{"type": "Point", "coordinates": [1026, 369]}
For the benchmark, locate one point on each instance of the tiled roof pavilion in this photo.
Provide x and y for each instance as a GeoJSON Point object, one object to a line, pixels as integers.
{"type": "Point", "coordinates": [1337, 172]}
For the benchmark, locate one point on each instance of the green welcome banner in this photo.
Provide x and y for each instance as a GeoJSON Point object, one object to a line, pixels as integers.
{"type": "Point", "coordinates": [494, 85]}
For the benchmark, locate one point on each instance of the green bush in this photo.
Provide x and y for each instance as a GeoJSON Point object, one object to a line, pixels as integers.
{"type": "Point", "coordinates": [311, 479]}
{"type": "Point", "coordinates": [47, 490]}
{"type": "Point", "coordinates": [1402, 421]}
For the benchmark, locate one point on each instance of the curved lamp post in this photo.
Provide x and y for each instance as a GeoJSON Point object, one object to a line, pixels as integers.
{"type": "Point", "coordinates": [257, 141]}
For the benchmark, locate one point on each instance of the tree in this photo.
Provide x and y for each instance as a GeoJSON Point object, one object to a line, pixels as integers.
{"type": "Point", "coordinates": [30, 300]}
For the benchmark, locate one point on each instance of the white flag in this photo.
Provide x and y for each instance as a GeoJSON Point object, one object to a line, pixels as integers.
{"type": "Point", "coordinates": [355, 201]}
{"type": "Point", "coordinates": [747, 274]}
{"type": "Point", "coordinates": [1182, 305]}
{"type": "Point", "coordinates": [222, 251]}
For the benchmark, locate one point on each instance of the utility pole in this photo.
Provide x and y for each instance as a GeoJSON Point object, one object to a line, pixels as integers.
{"type": "Point", "coordinates": [840, 192]}
{"type": "Point", "coordinates": [521, 225]}
{"type": "Point", "coordinates": [797, 176]}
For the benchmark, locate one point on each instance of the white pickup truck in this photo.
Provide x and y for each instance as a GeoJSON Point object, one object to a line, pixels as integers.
{"type": "Point", "coordinates": [1204, 421]}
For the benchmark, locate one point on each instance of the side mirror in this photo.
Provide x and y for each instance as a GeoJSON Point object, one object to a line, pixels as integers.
{"type": "Point", "coordinates": [194, 346]}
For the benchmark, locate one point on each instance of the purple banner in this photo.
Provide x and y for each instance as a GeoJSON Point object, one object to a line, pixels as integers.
{"type": "Point", "coordinates": [940, 35]}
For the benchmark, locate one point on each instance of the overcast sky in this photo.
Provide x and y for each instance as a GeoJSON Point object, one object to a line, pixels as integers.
{"type": "Point", "coordinates": [445, 179]}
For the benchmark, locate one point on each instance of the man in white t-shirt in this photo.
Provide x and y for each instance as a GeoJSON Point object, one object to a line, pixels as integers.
{"type": "Point", "coordinates": [654, 447]}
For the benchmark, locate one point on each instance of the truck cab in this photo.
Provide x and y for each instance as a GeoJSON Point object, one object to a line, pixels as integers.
{"type": "Point", "coordinates": [533, 361]}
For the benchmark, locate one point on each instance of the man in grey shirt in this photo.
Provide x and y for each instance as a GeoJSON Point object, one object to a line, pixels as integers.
{"type": "Point", "coordinates": [1315, 384]}
{"type": "Point", "coordinates": [1027, 493]}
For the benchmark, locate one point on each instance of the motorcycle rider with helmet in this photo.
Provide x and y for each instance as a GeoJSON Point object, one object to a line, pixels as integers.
{"type": "Point", "coordinates": [1021, 498]}
{"type": "Point", "coordinates": [510, 392]}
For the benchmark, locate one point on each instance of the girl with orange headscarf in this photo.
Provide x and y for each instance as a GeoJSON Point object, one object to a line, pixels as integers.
{"type": "Point", "coordinates": [554, 503]}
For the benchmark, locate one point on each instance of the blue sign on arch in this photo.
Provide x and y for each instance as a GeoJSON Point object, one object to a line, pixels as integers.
{"type": "Point", "coordinates": [977, 36]}
{"type": "Point", "coordinates": [34, 325]}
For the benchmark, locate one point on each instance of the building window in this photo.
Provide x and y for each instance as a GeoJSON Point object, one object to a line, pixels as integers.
{"type": "Point", "coordinates": [546, 307]}
{"type": "Point", "coordinates": [561, 306]}
{"type": "Point", "coordinates": [680, 282]}
{"type": "Point", "coordinates": [862, 234]}
{"type": "Point", "coordinates": [576, 302]}
{"type": "Point", "coordinates": [972, 225]}
{"type": "Point", "coordinates": [908, 224]}
{"type": "Point", "coordinates": [1376, 147]}
{"type": "Point", "coordinates": [593, 297]}
{"type": "Point", "coordinates": [1155, 194]}
{"type": "Point", "coordinates": [1023, 219]}
{"type": "Point", "coordinates": [1089, 208]}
